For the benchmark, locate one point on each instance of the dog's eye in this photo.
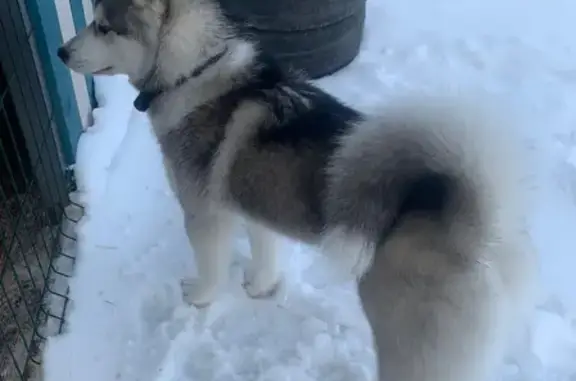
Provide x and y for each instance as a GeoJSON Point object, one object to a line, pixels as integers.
{"type": "Point", "coordinates": [104, 29]}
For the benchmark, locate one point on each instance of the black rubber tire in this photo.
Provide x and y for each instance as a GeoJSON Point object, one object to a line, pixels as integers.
{"type": "Point", "coordinates": [318, 37]}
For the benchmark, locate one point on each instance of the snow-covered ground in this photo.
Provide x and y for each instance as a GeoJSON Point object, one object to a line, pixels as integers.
{"type": "Point", "coordinates": [128, 320]}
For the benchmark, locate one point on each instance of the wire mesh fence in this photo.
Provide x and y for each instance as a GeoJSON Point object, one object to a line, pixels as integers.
{"type": "Point", "coordinates": [34, 188]}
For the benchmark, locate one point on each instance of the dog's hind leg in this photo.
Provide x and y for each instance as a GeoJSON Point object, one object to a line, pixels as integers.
{"type": "Point", "coordinates": [211, 234]}
{"type": "Point", "coordinates": [262, 279]}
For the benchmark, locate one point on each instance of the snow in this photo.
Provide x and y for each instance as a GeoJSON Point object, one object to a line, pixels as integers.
{"type": "Point", "coordinates": [127, 319]}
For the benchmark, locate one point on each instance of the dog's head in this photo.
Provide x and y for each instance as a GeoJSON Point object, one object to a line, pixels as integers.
{"type": "Point", "coordinates": [137, 37]}
{"type": "Point", "coordinates": [122, 37]}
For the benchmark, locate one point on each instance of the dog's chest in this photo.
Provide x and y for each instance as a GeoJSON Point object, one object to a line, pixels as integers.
{"type": "Point", "coordinates": [189, 149]}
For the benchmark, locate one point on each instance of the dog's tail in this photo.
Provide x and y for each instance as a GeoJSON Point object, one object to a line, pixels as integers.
{"type": "Point", "coordinates": [447, 162]}
{"type": "Point", "coordinates": [428, 200]}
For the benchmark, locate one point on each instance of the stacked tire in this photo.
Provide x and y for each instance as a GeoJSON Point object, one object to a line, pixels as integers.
{"type": "Point", "coordinates": [318, 37]}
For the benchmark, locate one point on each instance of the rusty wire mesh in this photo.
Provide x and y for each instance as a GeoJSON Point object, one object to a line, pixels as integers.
{"type": "Point", "coordinates": [34, 188]}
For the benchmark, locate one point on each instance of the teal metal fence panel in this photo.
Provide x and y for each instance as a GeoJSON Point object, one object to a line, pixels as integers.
{"type": "Point", "coordinates": [51, 22]}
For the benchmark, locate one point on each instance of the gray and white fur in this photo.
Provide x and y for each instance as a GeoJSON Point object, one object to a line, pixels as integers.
{"type": "Point", "coordinates": [424, 199]}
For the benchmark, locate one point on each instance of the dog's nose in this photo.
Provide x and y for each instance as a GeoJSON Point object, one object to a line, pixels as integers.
{"type": "Point", "coordinates": [63, 54]}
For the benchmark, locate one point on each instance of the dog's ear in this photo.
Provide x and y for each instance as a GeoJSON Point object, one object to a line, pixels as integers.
{"type": "Point", "coordinates": [164, 8]}
{"type": "Point", "coordinates": [176, 7]}
{"type": "Point", "coordinates": [158, 6]}
{"type": "Point", "coordinates": [144, 3]}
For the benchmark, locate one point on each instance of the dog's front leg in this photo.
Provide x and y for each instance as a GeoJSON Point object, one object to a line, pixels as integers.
{"type": "Point", "coordinates": [262, 278]}
{"type": "Point", "coordinates": [211, 235]}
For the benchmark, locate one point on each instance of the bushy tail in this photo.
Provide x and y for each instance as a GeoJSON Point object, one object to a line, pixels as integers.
{"type": "Point", "coordinates": [446, 161]}
{"type": "Point", "coordinates": [427, 201]}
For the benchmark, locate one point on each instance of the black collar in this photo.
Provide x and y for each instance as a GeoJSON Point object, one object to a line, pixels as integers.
{"type": "Point", "coordinates": [145, 98]}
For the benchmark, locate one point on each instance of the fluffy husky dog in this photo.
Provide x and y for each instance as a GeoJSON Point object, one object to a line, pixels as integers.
{"type": "Point", "coordinates": [425, 197]}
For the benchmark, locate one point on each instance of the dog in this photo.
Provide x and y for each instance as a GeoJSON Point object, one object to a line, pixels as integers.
{"type": "Point", "coordinates": [423, 199]}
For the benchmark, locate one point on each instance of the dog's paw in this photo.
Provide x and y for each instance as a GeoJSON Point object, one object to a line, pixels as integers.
{"type": "Point", "coordinates": [262, 285]}
{"type": "Point", "coordinates": [198, 294]}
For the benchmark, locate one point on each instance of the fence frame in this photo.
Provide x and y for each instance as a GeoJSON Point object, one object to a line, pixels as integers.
{"type": "Point", "coordinates": [71, 94]}
{"type": "Point", "coordinates": [53, 106]}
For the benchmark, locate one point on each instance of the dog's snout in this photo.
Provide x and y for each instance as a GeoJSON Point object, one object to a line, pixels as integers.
{"type": "Point", "coordinates": [63, 54]}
